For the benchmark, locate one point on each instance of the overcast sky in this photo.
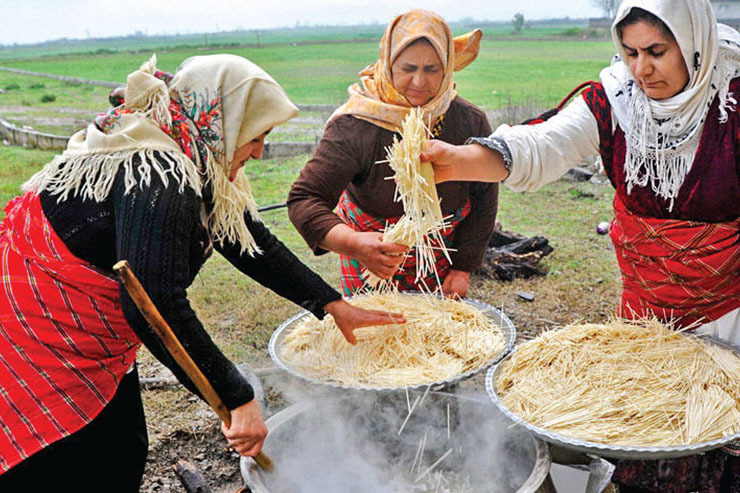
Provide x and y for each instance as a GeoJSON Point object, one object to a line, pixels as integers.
{"type": "Point", "coordinates": [31, 21]}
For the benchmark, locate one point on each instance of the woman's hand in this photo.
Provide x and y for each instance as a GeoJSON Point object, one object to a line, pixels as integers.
{"type": "Point", "coordinates": [442, 156]}
{"type": "Point", "coordinates": [471, 162]}
{"type": "Point", "coordinates": [247, 431]}
{"type": "Point", "coordinates": [349, 317]}
{"type": "Point", "coordinates": [379, 257]}
{"type": "Point", "coordinates": [456, 284]}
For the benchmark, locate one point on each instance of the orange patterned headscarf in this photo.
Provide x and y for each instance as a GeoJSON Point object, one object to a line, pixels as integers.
{"type": "Point", "coordinates": [375, 99]}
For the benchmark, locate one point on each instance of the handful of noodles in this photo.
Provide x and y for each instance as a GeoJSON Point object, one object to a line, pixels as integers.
{"type": "Point", "coordinates": [442, 339]}
{"type": "Point", "coordinates": [624, 383]}
{"type": "Point", "coordinates": [422, 221]}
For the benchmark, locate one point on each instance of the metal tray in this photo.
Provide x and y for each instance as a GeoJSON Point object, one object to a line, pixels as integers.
{"type": "Point", "coordinates": [602, 449]}
{"type": "Point", "coordinates": [498, 317]}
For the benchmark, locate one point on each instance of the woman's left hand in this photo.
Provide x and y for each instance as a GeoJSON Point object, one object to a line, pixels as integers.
{"type": "Point", "coordinates": [349, 317]}
{"type": "Point", "coordinates": [247, 431]}
{"type": "Point", "coordinates": [456, 284]}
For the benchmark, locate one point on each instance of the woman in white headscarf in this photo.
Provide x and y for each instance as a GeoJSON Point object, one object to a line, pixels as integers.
{"type": "Point", "coordinates": [664, 120]}
{"type": "Point", "coordinates": [155, 181]}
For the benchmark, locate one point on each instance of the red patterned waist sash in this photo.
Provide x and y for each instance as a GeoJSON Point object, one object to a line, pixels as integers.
{"type": "Point", "coordinates": [681, 271]}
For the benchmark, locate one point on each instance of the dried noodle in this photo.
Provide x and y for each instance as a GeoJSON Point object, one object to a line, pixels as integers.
{"type": "Point", "coordinates": [442, 338]}
{"type": "Point", "coordinates": [422, 222]}
{"type": "Point", "coordinates": [624, 383]}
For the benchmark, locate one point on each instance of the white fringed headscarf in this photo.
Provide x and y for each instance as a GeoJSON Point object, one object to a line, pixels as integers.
{"type": "Point", "coordinates": [228, 100]}
{"type": "Point", "coordinates": [663, 136]}
{"type": "Point", "coordinates": [251, 103]}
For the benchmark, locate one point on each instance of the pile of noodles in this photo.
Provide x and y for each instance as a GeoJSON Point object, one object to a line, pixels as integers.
{"type": "Point", "coordinates": [624, 383]}
{"type": "Point", "coordinates": [442, 339]}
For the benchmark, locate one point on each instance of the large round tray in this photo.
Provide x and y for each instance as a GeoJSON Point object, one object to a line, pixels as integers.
{"type": "Point", "coordinates": [501, 320]}
{"type": "Point", "coordinates": [602, 449]}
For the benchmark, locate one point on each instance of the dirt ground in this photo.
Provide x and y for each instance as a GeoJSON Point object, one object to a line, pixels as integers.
{"type": "Point", "coordinates": [182, 427]}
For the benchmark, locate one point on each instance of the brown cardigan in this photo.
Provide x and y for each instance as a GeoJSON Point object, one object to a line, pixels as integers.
{"type": "Point", "coordinates": [347, 158]}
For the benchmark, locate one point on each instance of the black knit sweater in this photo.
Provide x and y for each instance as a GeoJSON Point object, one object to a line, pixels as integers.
{"type": "Point", "coordinates": [158, 230]}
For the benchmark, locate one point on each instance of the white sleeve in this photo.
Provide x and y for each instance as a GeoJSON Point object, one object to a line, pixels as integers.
{"type": "Point", "coordinates": [542, 153]}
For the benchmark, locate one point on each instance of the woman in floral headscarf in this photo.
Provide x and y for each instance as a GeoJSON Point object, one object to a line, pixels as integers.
{"type": "Point", "coordinates": [155, 181]}
{"type": "Point", "coordinates": [417, 58]}
{"type": "Point", "coordinates": [664, 120]}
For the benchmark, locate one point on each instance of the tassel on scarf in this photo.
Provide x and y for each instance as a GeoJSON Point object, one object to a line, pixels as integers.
{"type": "Point", "coordinates": [91, 175]}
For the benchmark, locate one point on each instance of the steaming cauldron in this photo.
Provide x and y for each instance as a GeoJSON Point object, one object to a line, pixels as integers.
{"type": "Point", "coordinates": [351, 444]}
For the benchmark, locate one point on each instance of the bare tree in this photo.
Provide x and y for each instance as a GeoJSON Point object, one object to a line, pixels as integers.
{"type": "Point", "coordinates": [609, 7]}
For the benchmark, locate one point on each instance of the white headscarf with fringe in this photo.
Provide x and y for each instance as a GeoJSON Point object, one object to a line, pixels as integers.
{"type": "Point", "coordinates": [663, 135]}
{"type": "Point", "coordinates": [239, 99]}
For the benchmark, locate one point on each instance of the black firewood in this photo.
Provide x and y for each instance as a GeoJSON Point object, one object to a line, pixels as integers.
{"type": "Point", "coordinates": [190, 477]}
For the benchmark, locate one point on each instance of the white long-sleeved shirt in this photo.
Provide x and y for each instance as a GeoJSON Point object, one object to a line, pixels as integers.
{"type": "Point", "coordinates": [542, 153]}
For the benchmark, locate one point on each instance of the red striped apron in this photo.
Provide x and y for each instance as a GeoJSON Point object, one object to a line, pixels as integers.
{"type": "Point", "coordinates": [64, 342]}
{"type": "Point", "coordinates": [684, 271]}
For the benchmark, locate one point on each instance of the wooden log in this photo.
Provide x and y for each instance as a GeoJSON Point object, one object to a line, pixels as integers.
{"type": "Point", "coordinates": [190, 477]}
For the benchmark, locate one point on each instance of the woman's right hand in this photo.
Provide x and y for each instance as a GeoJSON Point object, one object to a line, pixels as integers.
{"type": "Point", "coordinates": [470, 162]}
{"type": "Point", "coordinates": [379, 257]}
{"type": "Point", "coordinates": [248, 431]}
{"type": "Point", "coordinates": [443, 157]}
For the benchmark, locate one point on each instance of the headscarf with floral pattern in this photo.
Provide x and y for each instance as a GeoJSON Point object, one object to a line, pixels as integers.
{"type": "Point", "coordinates": [194, 121]}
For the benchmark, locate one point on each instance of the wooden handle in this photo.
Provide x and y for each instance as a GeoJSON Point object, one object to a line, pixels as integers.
{"type": "Point", "coordinates": [178, 352]}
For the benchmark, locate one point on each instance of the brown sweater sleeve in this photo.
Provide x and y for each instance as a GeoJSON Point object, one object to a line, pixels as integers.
{"type": "Point", "coordinates": [335, 163]}
{"type": "Point", "coordinates": [473, 234]}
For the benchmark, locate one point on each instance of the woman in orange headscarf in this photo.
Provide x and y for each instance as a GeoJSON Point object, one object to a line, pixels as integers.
{"type": "Point", "coordinates": [417, 58]}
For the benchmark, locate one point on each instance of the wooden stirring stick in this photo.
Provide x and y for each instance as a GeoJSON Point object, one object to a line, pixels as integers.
{"type": "Point", "coordinates": [178, 352]}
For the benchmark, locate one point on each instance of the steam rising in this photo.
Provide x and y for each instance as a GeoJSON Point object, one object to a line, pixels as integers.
{"type": "Point", "coordinates": [346, 441]}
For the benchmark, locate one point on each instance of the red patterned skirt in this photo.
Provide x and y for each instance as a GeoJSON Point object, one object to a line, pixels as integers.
{"type": "Point", "coordinates": [682, 271]}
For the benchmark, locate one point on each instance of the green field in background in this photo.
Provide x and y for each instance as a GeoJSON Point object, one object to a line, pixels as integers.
{"type": "Point", "coordinates": [506, 72]}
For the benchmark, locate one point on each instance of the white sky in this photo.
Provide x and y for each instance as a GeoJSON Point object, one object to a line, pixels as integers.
{"type": "Point", "coordinates": [31, 21]}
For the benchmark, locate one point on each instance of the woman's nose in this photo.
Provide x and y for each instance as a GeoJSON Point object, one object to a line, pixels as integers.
{"type": "Point", "coordinates": [643, 66]}
{"type": "Point", "coordinates": [258, 149]}
{"type": "Point", "coordinates": [419, 79]}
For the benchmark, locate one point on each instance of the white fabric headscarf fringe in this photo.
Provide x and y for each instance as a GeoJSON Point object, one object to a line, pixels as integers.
{"type": "Point", "coordinates": [711, 52]}
{"type": "Point", "coordinates": [250, 103]}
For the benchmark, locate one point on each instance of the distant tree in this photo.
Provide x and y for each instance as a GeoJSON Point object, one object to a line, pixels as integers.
{"type": "Point", "coordinates": [518, 22]}
{"type": "Point", "coordinates": [609, 7]}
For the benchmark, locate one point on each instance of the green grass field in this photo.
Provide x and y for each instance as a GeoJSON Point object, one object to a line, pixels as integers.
{"type": "Point", "coordinates": [260, 37]}
{"type": "Point", "coordinates": [506, 72]}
